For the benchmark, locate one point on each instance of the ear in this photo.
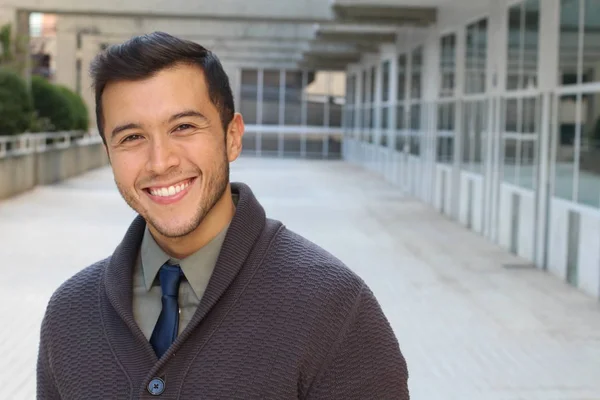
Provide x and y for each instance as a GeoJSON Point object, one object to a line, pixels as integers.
{"type": "Point", "coordinates": [235, 131]}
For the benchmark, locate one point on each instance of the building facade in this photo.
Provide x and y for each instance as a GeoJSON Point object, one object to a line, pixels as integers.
{"type": "Point", "coordinates": [492, 116]}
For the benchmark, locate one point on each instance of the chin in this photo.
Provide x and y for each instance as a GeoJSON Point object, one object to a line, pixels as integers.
{"type": "Point", "coordinates": [174, 229]}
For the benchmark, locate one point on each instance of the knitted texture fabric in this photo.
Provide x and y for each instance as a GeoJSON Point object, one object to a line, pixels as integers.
{"type": "Point", "coordinates": [281, 319]}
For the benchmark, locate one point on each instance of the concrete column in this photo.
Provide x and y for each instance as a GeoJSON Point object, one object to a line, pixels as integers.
{"type": "Point", "coordinates": [458, 127]}
{"type": "Point", "coordinates": [66, 57]}
{"type": "Point", "coordinates": [89, 48]}
{"type": "Point", "coordinates": [496, 84]}
{"type": "Point", "coordinates": [431, 86]}
{"type": "Point", "coordinates": [393, 101]}
{"type": "Point", "coordinates": [377, 103]}
{"type": "Point", "coordinates": [547, 81]}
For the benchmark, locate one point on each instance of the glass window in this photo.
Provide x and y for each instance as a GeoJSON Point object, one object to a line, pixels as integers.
{"type": "Point", "coordinates": [589, 151]}
{"type": "Point", "coordinates": [402, 65]}
{"type": "Point", "coordinates": [531, 44]}
{"type": "Point", "coordinates": [385, 114]}
{"type": "Point", "coordinates": [400, 118]}
{"type": "Point", "coordinates": [372, 85]}
{"type": "Point", "coordinates": [523, 43]}
{"type": "Point", "coordinates": [270, 97]}
{"type": "Point", "coordinates": [511, 122]}
{"type": "Point", "coordinates": [249, 95]}
{"type": "Point", "coordinates": [385, 81]}
{"type": "Point", "coordinates": [521, 136]}
{"type": "Point", "coordinates": [365, 111]}
{"type": "Point", "coordinates": [351, 90]}
{"type": "Point", "coordinates": [415, 129]}
{"type": "Point", "coordinates": [567, 126]}
{"type": "Point", "coordinates": [365, 80]}
{"type": "Point", "coordinates": [445, 132]}
{"type": "Point", "coordinates": [447, 65]}
{"type": "Point", "coordinates": [579, 26]}
{"type": "Point", "coordinates": [315, 95]}
{"type": "Point", "coordinates": [591, 39]}
{"type": "Point", "coordinates": [349, 103]}
{"type": "Point", "coordinates": [416, 72]}
{"type": "Point", "coordinates": [293, 98]}
{"type": "Point", "coordinates": [473, 135]}
{"type": "Point", "coordinates": [569, 42]}
{"type": "Point", "coordinates": [350, 99]}
{"type": "Point", "coordinates": [510, 160]}
{"type": "Point", "coordinates": [513, 59]}
{"type": "Point", "coordinates": [349, 118]}
{"type": "Point", "coordinates": [476, 57]}
{"type": "Point", "coordinates": [400, 127]}
{"type": "Point", "coordinates": [366, 118]}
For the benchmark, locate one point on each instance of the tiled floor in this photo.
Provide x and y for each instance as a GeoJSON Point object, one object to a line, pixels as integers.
{"type": "Point", "coordinates": [469, 328]}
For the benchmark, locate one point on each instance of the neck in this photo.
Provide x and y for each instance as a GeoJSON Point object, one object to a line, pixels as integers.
{"type": "Point", "coordinates": [212, 224]}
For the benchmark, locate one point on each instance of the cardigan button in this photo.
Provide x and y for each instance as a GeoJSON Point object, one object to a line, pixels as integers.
{"type": "Point", "coordinates": [156, 387]}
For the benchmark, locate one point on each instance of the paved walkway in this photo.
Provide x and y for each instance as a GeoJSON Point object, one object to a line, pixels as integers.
{"type": "Point", "coordinates": [469, 327]}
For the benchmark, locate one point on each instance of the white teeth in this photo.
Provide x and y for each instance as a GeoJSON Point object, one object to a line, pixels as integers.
{"type": "Point", "coordinates": [170, 191]}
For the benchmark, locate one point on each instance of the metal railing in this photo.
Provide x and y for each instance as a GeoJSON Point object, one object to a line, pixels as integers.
{"type": "Point", "coordinates": [29, 143]}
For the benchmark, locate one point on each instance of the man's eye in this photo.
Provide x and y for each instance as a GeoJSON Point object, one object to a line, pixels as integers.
{"type": "Point", "coordinates": [183, 127]}
{"type": "Point", "coordinates": [131, 138]}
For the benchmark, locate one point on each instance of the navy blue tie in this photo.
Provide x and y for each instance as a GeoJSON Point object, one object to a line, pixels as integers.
{"type": "Point", "coordinates": [167, 327]}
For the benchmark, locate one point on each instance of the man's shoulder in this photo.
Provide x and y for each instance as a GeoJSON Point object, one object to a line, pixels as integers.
{"type": "Point", "coordinates": [79, 286]}
{"type": "Point", "coordinates": [301, 258]}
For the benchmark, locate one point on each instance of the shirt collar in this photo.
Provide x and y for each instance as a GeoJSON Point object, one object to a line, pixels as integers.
{"type": "Point", "coordinates": [197, 267]}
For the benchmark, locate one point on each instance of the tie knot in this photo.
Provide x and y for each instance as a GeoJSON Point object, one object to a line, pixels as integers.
{"type": "Point", "coordinates": [170, 276]}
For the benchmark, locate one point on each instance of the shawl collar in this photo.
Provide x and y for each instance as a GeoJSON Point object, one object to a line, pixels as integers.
{"type": "Point", "coordinates": [246, 226]}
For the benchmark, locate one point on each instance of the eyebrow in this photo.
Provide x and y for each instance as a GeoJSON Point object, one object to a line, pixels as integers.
{"type": "Point", "coordinates": [188, 113]}
{"type": "Point", "coordinates": [174, 117]}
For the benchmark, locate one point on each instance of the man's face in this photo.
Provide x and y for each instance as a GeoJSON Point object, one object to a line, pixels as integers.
{"type": "Point", "coordinates": [167, 148]}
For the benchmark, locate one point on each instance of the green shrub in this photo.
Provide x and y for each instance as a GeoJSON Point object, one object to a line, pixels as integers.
{"type": "Point", "coordinates": [16, 105]}
{"type": "Point", "coordinates": [50, 102]}
{"type": "Point", "coordinates": [40, 124]}
{"type": "Point", "coordinates": [78, 105]}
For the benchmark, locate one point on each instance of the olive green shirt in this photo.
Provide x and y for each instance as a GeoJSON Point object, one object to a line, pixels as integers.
{"type": "Point", "coordinates": [197, 268]}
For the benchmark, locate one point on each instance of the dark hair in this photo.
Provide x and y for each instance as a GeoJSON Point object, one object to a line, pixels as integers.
{"type": "Point", "coordinates": [143, 56]}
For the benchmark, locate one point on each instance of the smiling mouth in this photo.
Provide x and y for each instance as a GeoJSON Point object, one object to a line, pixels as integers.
{"type": "Point", "coordinates": [169, 193]}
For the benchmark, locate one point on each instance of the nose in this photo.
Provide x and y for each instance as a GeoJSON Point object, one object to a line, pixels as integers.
{"type": "Point", "coordinates": [162, 156]}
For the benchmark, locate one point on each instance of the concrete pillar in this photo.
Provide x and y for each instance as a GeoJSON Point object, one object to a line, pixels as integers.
{"type": "Point", "coordinates": [459, 117]}
{"type": "Point", "coordinates": [66, 56]}
{"type": "Point", "coordinates": [496, 83]}
{"type": "Point", "coordinates": [431, 85]}
{"type": "Point", "coordinates": [89, 48]}
{"type": "Point", "coordinates": [21, 38]}
{"type": "Point", "coordinates": [547, 81]}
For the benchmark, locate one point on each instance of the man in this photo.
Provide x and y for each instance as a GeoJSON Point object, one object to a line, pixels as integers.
{"type": "Point", "coordinates": [205, 297]}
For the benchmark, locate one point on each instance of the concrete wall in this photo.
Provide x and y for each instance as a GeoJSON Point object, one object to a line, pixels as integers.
{"type": "Point", "coordinates": [19, 173]}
